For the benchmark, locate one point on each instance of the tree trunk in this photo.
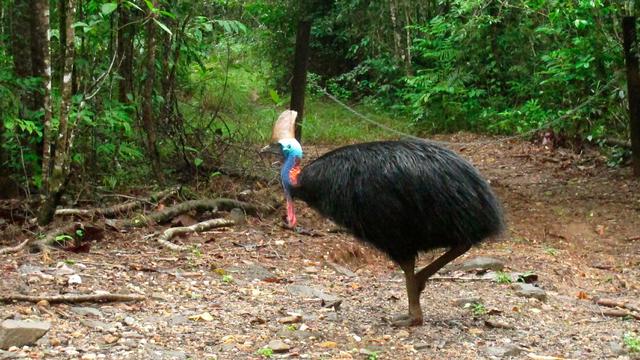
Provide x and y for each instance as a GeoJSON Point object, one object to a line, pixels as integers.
{"type": "Point", "coordinates": [631, 54]}
{"type": "Point", "coordinates": [42, 11]}
{"type": "Point", "coordinates": [61, 159]}
{"type": "Point", "coordinates": [299, 81]}
{"type": "Point", "coordinates": [148, 121]}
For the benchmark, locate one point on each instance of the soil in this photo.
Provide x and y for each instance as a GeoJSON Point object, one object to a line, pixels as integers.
{"type": "Point", "coordinates": [573, 222]}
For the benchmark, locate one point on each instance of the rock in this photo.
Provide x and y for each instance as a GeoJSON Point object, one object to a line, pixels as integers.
{"type": "Point", "coordinates": [159, 353]}
{"type": "Point", "coordinates": [617, 348]}
{"type": "Point", "coordinates": [75, 279]}
{"type": "Point", "coordinates": [342, 270]}
{"type": "Point", "coordinates": [238, 216]}
{"type": "Point", "coordinates": [254, 271]}
{"type": "Point", "coordinates": [309, 292]}
{"type": "Point", "coordinates": [402, 334]}
{"type": "Point", "coordinates": [421, 346]}
{"type": "Point", "coordinates": [278, 346]}
{"type": "Point", "coordinates": [529, 291]}
{"type": "Point", "coordinates": [89, 356]}
{"type": "Point", "coordinates": [98, 325]}
{"type": "Point", "coordinates": [503, 351]}
{"type": "Point", "coordinates": [86, 311]}
{"type": "Point", "coordinates": [62, 269]}
{"type": "Point", "coordinates": [462, 302]}
{"type": "Point", "coordinates": [19, 333]}
{"type": "Point", "coordinates": [482, 262]}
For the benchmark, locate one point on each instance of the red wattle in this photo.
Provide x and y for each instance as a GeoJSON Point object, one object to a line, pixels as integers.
{"type": "Point", "coordinates": [291, 214]}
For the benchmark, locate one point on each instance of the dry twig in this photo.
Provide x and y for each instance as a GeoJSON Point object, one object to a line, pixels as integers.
{"type": "Point", "coordinates": [71, 298]}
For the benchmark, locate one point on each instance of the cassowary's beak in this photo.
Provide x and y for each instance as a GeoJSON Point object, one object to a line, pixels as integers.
{"type": "Point", "coordinates": [271, 149]}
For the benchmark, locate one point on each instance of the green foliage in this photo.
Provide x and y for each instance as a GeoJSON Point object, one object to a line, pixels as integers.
{"type": "Point", "coordinates": [632, 341]}
{"type": "Point", "coordinates": [265, 352]}
{"type": "Point", "coordinates": [503, 278]}
{"type": "Point", "coordinates": [478, 309]}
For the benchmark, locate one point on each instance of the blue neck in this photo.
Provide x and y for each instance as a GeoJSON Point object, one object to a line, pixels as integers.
{"type": "Point", "coordinates": [289, 162]}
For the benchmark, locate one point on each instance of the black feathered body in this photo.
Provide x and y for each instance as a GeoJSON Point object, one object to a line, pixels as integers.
{"type": "Point", "coordinates": [403, 197]}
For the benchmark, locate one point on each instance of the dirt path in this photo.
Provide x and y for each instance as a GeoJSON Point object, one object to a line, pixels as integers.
{"type": "Point", "coordinates": [573, 222]}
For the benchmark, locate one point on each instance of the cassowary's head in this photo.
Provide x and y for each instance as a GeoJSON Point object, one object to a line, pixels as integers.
{"type": "Point", "coordinates": [285, 143]}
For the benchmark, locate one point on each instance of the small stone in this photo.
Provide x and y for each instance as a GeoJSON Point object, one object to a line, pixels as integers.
{"type": "Point", "coordinates": [62, 269]}
{"type": "Point", "coordinates": [130, 321]}
{"type": "Point", "coordinates": [482, 262]}
{"type": "Point", "coordinates": [278, 346]}
{"type": "Point", "coordinates": [421, 346]}
{"type": "Point", "coordinates": [504, 351]}
{"type": "Point", "coordinates": [462, 302]}
{"type": "Point", "coordinates": [402, 334]}
{"type": "Point", "coordinates": [89, 356]}
{"type": "Point", "coordinates": [309, 292]}
{"type": "Point", "coordinates": [86, 311]}
{"type": "Point", "coordinates": [110, 339]}
{"type": "Point", "coordinates": [617, 348]}
{"type": "Point", "coordinates": [529, 291]}
{"type": "Point", "coordinates": [332, 316]}
{"type": "Point", "coordinates": [311, 270]}
{"type": "Point", "coordinates": [497, 324]}
{"type": "Point", "coordinates": [43, 304]}
{"type": "Point", "coordinates": [75, 279]}
{"type": "Point", "coordinates": [328, 344]}
{"type": "Point", "coordinates": [19, 333]}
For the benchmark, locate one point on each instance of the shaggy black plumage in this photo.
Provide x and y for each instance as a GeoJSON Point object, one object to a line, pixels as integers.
{"type": "Point", "coordinates": [403, 197]}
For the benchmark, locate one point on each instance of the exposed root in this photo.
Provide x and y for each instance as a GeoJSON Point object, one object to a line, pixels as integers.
{"type": "Point", "coordinates": [119, 209]}
{"type": "Point", "coordinates": [72, 298]}
{"type": "Point", "coordinates": [15, 249]}
{"type": "Point", "coordinates": [165, 238]}
{"type": "Point", "coordinates": [213, 205]}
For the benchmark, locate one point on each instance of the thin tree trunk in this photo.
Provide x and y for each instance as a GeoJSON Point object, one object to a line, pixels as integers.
{"type": "Point", "coordinates": [299, 81]}
{"type": "Point", "coordinates": [148, 121]}
{"type": "Point", "coordinates": [125, 54]}
{"type": "Point", "coordinates": [631, 54]}
{"type": "Point", "coordinates": [397, 36]}
{"type": "Point", "coordinates": [64, 142]}
{"type": "Point", "coordinates": [42, 11]}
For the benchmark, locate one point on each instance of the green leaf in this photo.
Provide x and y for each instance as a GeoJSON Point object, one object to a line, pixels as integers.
{"type": "Point", "coordinates": [274, 96]}
{"type": "Point", "coordinates": [168, 14]}
{"type": "Point", "coordinates": [163, 27]}
{"type": "Point", "coordinates": [197, 162]}
{"type": "Point", "coordinates": [133, 5]}
{"type": "Point", "coordinates": [108, 8]}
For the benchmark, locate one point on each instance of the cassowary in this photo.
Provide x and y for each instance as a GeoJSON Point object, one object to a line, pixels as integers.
{"type": "Point", "coordinates": [402, 197]}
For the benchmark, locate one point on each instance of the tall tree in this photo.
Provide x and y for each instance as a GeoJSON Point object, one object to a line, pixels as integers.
{"type": "Point", "coordinates": [60, 161]}
{"type": "Point", "coordinates": [631, 54]}
{"type": "Point", "coordinates": [148, 119]}
{"type": "Point", "coordinates": [299, 80]}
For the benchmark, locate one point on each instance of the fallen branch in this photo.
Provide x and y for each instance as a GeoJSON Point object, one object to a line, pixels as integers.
{"type": "Point", "coordinates": [613, 303]}
{"type": "Point", "coordinates": [114, 211]}
{"type": "Point", "coordinates": [199, 205]}
{"type": "Point", "coordinates": [71, 298]}
{"type": "Point", "coordinates": [618, 313]}
{"type": "Point", "coordinates": [165, 238]}
{"type": "Point", "coordinates": [15, 249]}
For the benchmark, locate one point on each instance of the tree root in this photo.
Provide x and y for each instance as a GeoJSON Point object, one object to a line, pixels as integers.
{"type": "Point", "coordinates": [199, 205]}
{"type": "Point", "coordinates": [15, 249]}
{"type": "Point", "coordinates": [119, 209]}
{"type": "Point", "coordinates": [72, 298]}
{"type": "Point", "coordinates": [165, 238]}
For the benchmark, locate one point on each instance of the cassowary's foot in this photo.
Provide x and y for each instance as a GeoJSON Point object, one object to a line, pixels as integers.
{"type": "Point", "coordinates": [405, 320]}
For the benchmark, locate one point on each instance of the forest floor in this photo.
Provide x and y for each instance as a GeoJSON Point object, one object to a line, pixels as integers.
{"type": "Point", "coordinates": [573, 222]}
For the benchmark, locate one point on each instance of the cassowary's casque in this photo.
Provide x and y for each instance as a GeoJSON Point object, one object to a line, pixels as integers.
{"type": "Point", "coordinates": [402, 197]}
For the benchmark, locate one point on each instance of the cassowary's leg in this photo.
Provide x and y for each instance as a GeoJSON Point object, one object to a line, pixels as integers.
{"type": "Point", "coordinates": [413, 293]}
{"type": "Point", "coordinates": [416, 283]}
{"type": "Point", "coordinates": [425, 273]}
